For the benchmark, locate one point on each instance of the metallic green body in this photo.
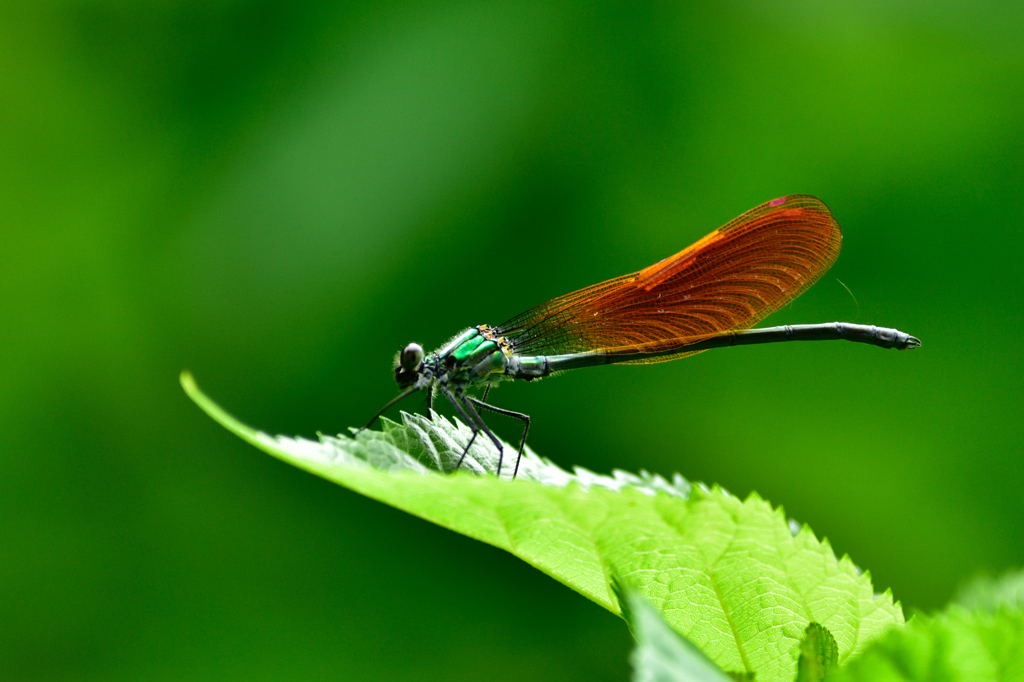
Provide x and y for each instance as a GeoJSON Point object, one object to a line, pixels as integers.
{"type": "Point", "coordinates": [477, 356]}
{"type": "Point", "coordinates": [472, 358]}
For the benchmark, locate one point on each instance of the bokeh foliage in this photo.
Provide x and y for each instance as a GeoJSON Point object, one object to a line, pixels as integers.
{"type": "Point", "coordinates": [279, 195]}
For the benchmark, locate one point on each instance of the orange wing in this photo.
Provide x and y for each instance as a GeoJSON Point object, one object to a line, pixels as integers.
{"type": "Point", "coordinates": [729, 280]}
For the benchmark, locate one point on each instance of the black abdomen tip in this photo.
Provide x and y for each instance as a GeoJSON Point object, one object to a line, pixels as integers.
{"type": "Point", "coordinates": [911, 342]}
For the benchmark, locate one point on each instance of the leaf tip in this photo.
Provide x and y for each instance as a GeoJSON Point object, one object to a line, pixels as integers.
{"type": "Point", "coordinates": [187, 382]}
{"type": "Point", "coordinates": [819, 653]}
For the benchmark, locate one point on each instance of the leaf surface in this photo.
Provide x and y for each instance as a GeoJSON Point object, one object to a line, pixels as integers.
{"type": "Point", "coordinates": [991, 594]}
{"type": "Point", "coordinates": [955, 645]}
{"type": "Point", "coordinates": [728, 574]}
{"type": "Point", "coordinates": [661, 654]}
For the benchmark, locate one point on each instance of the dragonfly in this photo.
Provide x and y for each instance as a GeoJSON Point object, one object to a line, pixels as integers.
{"type": "Point", "coordinates": [709, 295]}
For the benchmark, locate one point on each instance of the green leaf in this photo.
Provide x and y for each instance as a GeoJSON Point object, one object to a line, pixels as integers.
{"type": "Point", "coordinates": [991, 594]}
{"type": "Point", "coordinates": [955, 645]}
{"type": "Point", "coordinates": [819, 653]}
{"type": "Point", "coordinates": [725, 573]}
{"type": "Point", "coordinates": [661, 654]}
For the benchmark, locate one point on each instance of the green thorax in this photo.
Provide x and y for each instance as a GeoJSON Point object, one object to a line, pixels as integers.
{"type": "Point", "coordinates": [475, 356]}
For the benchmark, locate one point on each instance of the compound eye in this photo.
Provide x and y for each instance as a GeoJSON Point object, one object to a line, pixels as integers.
{"type": "Point", "coordinates": [412, 356]}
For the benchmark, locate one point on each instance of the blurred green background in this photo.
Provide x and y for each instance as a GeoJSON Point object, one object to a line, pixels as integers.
{"type": "Point", "coordinates": [278, 196]}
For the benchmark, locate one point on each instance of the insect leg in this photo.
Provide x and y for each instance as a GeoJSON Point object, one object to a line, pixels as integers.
{"type": "Point", "coordinates": [430, 403]}
{"type": "Point", "coordinates": [466, 418]}
{"type": "Point", "coordinates": [508, 413]}
{"type": "Point", "coordinates": [480, 422]}
{"type": "Point", "coordinates": [487, 391]}
{"type": "Point", "coordinates": [403, 394]}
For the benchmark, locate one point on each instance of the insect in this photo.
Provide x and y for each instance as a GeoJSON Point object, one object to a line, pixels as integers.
{"type": "Point", "coordinates": [706, 296]}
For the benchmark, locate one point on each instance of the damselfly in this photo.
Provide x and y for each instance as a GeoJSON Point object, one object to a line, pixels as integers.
{"type": "Point", "coordinates": [706, 296]}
